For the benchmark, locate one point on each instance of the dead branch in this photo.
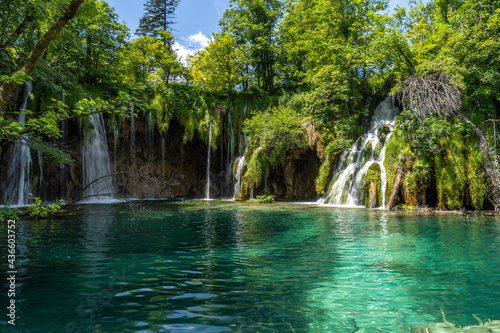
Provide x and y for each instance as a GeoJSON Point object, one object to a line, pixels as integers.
{"type": "Point", "coordinates": [433, 94]}
{"type": "Point", "coordinates": [145, 182]}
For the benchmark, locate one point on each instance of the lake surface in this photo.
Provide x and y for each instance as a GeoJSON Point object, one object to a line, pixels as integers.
{"type": "Point", "coordinates": [231, 267]}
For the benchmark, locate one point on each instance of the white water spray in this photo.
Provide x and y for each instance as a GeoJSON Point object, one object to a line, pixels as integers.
{"type": "Point", "coordinates": [350, 175]}
{"type": "Point", "coordinates": [19, 182]}
{"type": "Point", "coordinates": [207, 190]}
{"type": "Point", "coordinates": [96, 165]}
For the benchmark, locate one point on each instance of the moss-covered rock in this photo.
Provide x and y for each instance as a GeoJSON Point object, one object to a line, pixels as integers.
{"type": "Point", "coordinates": [459, 172]}
{"type": "Point", "coordinates": [256, 169]}
{"type": "Point", "coordinates": [397, 146]}
{"type": "Point", "coordinates": [372, 193]}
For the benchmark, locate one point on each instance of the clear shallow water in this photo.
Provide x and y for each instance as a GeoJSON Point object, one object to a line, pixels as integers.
{"type": "Point", "coordinates": [228, 267]}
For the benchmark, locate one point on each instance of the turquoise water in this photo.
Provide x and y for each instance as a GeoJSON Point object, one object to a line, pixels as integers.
{"type": "Point", "coordinates": [230, 267]}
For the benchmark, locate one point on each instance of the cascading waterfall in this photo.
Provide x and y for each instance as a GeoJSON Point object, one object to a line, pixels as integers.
{"type": "Point", "coordinates": [96, 164]}
{"type": "Point", "coordinates": [19, 182]}
{"type": "Point", "coordinates": [116, 135]}
{"type": "Point", "coordinates": [163, 152]}
{"type": "Point", "coordinates": [237, 175]}
{"type": "Point", "coordinates": [240, 160]}
{"type": "Point", "coordinates": [150, 133]}
{"type": "Point", "coordinates": [64, 175]}
{"type": "Point", "coordinates": [133, 149]}
{"type": "Point", "coordinates": [230, 148]}
{"type": "Point", "coordinates": [350, 175]}
{"type": "Point", "coordinates": [207, 190]}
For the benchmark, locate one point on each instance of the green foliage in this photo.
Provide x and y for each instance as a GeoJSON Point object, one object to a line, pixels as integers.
{"type": "Point", "coordinates": [373, 177]}
{"type": "Point", "coordinates": [263, 199]}
{"type": "Point", "coordinates": [253, 23]}
{"type": "Point", "coordinates": [459, 174]}
{"type": "Point", "coordinates": [277, 131]}
{"type": "Point", "coordinates": [424, 137]}
{"type": "Point", "coordinates": [40, 210]}
{"type": "Point", "coordinates": [257, 167]}
{"type": "Point", "coordinates": [218, 66]}
{"type": "Point", "coordinates": [396, 148]}
{"type": "Point", "coordinates": [332, 151]}
{"type": "Point", "coordinates": [149, 61]}
{"type": "Point", "coordinates": [8, 213]}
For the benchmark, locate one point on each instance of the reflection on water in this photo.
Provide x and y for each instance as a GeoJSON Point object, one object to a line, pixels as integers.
{"type": "Point", "coordinates": [230, 267]}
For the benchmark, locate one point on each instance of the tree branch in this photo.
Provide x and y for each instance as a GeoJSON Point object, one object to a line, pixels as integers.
{"type": "Point", "coordinates": [40, 46]}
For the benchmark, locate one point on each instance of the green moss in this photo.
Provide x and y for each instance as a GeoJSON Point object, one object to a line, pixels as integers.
{"type": "Point", "coordinates": [321, 181]}
{"type": "Point", "coordinates": [257, 167]}
{"type": "Point", "coordinates": [475, 175]}
{"type": "Point", "coordinates": [378, 149]}
{"type": "Point", "coordinates": [372, 177]}
{"type": "Point", "coordinates": [459, 172]}
{"type": "Point", "coordinates": [367, 154]}
{"type": "Point", "coordinates": [397, 146]}
{"type": "Point", "coordinates": [382, 135]}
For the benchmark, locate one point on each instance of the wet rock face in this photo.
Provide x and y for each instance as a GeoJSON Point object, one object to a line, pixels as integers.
{"type": "Point", "coordinates": [152, 170]}
{"type": "Point", "coordinates": [296, 180]}
{"type": "Point", "coordinates": [157, 163]}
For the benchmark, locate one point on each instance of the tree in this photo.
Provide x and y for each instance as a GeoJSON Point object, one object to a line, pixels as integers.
{"type": "Point", "coordinates": [277, 131]}
{"type": "Point", "coordinates": [158, 14]}
{"type": "Point", "coordinates": [253, 23]}
{"type": "Point", "coordinates": [94, 48]}
{"type": "Point", "coordinates": [217, 67]}
{"type": "Point", "coordinates": [42, 44]}
{"type": "Point", "coordinates": [147, 61]}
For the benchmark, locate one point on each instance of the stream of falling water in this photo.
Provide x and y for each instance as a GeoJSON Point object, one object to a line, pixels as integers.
{"type": "Point", "coordinates": [96, 164]}
{"type": "Point", "coordinates": [240, 160]}
{"type": "Point", "coordinates": [207, 190]}
{"type": "Point", "coordinates": [19, 183]}
{"type": "Point", "coordinates": [346, 188]}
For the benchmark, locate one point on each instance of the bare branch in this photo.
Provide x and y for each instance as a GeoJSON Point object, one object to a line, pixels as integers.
{"type": "Point", "coordinates": [433, 94]}
{"type": "Point", "coordinates": [146, 183]}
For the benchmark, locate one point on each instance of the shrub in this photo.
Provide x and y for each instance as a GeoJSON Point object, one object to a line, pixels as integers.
{"type": "Point", "coordinates": [263, 199]}
{"type": "Point", "coordinates": [8, 213]}
{"type": "Point", "coordinates": [38, 209]}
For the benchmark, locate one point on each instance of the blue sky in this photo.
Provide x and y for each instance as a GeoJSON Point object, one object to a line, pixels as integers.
{"type": "Point", "coordinates": [196, 20]}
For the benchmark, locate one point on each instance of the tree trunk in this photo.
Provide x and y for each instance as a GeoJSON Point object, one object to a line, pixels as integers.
{"type": "Point", "coordinates": [395, 188]}
{"type": "Point", "coordinates": [40, 46]}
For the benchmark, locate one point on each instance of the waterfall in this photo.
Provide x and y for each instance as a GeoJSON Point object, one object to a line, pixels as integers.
{"type": "Point", "coordinates": [230, 148]}
{"type": "Point", "coordinates": [244, 118]}
{"type": "Point", "coordinates": [240, 160]}
{"type": "Point", "coordinates": [163, 156]}
{"type": "Point", "coordinates": [95, 155]}
{"type": "Point", "coordinates": [133, 151]}
{"type": "Point", "coordinates": [116, 136]}
{"type": "Point", "coordinates": [230, 143]}
{"type": "Point", "coordinates": [150, 134]}
{"type": "Point", "coordinates": [19, 183]}
{"type": "Point", "coordinates": [132, 138]}
{"type": "Point", "coordinates": [207, 190]}
{"type": "Point", "coordinates": [238, 174]}
{"type": "Point", "coordinates": [350, 174]}
{"type": "Point", "coordinates": [64, 175]}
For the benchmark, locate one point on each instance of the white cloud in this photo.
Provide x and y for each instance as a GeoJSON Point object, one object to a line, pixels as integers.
{"type": "Point", "coordinates": [194, 44]}
{"type": "Point", "coordinates": [199, 39]}
{"type": "Point", "coordinates": [183, 52]}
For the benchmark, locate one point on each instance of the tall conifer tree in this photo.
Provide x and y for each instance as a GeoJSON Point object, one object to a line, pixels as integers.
{"type": "Point", "coordinates": [158, 14]}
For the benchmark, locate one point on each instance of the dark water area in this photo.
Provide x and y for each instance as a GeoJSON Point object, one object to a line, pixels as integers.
{"type": "Point", "coordinates": [231, 267]}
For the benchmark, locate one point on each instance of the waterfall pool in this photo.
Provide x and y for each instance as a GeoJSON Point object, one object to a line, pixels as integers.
{"type": "Point", "coordinates": [223, 266]}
